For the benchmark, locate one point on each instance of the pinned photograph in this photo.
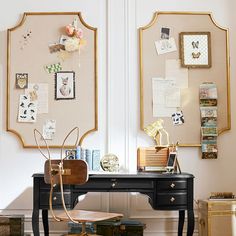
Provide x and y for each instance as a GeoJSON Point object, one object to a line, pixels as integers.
{"type": "Point", "coordinates": [71, 154]}
{"type": "Point", "coordinates": [65, 85]}
{"type": "Point", "coordinates": [177, 118]}
{"type": "Point", "coordinates": [21, 80]}
{"type": "Point", "coordinates": [165, 33]}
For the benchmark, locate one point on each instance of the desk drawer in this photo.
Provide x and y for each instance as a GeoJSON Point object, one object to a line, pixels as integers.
{"type": "Point", "coordinates": [171, 199]}
{"type": "Point", "coordinates": [56, 199]}
{"type": "Point", "coordinates": [43, 185]}
{"type": "Point", "coordinates": [116, 184]}
{"type": "Point", "coordinates": [172, 184]}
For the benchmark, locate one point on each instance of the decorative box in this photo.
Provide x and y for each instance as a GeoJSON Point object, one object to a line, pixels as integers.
{"type": "Point", "coordinates": [11, 225]}
{"type": "Point", "coordinates": [120, 228]}
{"type": "Point", "coordinates": [217, 217]}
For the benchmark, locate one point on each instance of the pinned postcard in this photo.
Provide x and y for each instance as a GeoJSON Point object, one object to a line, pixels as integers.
{"type": "Point", "coordinates": [39, 92]}
{"type": "Point", "coordinates": [160, 88]}
{"type": "Point", "coordinates": [209, 131]}
{"type": "Point", "coordinates": [209, 121]}
{"type": "Point", "coordinates": [173, 69]}
{"type": "Point", "coordinates": [177, 118]}
{"type": "Point", "coordinates": [165, 45]}
{"type": "Point", "coordinates": [208, 91]}
{"type": "Point", "coordinates": [208, 111]}
{"type": "Point", "coordinates": [27, 109]}
{"type": "Point", "coordinates": [49, 129]}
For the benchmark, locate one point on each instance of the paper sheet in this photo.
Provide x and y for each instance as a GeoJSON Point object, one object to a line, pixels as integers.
{"type": "Point", "coordinates": [27, 109]}
{"type": "Point", "coordinates": [174, 70]}
{"type": "Point", "coordinates": [160, 87]}
{"type": "Point", "coordinates": [49, 129]}
{"type": "Point", "coordinates": [165, 45]}
{"type": "Point", "coordinates": [39, 92]}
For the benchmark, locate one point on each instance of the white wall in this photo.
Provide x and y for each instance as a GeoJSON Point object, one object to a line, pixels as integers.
{"type": "Point", "coordinates": [117, 22]}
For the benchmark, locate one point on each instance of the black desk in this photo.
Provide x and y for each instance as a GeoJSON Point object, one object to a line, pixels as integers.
{"type": "Point", "coordinates": [165, 192]}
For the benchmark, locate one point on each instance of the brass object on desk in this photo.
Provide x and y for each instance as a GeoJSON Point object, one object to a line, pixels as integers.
{"type": "Point", "coordinates": [110, 162]}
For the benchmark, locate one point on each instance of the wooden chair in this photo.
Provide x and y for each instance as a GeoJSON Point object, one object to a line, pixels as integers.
{"type": "Point", "coordinates": [62, 171]}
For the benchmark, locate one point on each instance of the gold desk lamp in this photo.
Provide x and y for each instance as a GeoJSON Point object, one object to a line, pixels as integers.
{"type": "Point", "coordinates": [156, 131]}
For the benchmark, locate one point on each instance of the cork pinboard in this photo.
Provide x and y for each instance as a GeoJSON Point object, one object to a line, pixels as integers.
{"type": "Point", "coordinates": [153, 65]}
{"type": "Point", "coordinates": [29, 54]}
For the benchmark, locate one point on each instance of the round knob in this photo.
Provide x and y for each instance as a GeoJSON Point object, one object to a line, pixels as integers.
{"type": "Point", "coordinates": [54, 185]}
{"type": "Point", "coordinates": [172, 185]}
{"type": "Point", "coordinates": [172, 199]}
{"type": "Point", "coordinates": [113, 185]}
{"type": "Point", "coordinates": [54, 198]}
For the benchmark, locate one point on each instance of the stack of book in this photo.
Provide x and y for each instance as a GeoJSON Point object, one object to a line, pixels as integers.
{"type": "Point", "coordinates": [222, 196]}
{"type": "Point", "coordinates": [92, 157]}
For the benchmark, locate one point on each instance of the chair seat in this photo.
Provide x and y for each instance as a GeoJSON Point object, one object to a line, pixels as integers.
{"type": "Point", "coordinates": [89, 216]}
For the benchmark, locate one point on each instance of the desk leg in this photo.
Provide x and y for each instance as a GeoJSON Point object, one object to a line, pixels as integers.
{"type": "Point", "coordinates": [35, 222]}
{"type": "Point", "coordinates": [181, 222]}
{"type": "Point", "coordinates": [190, 223]}
{"type": "Point", "coordinates": [45, 222]}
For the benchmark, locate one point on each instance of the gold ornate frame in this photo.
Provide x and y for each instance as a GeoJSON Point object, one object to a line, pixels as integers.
{"type": "Point", "coordinates": [183, 49]}
{"type": "Point", "coordinates": [146, 38]}
{"type": "Point", "coordinates": [83, 113]}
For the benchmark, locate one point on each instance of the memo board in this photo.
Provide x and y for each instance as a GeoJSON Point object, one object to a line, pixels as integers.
{"type": "Point", "coordinates": [57, 54]}
{"type": "Point", "coordinates": [153, 65]}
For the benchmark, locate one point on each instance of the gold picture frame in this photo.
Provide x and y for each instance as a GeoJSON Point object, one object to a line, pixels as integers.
{"type": "Point", "coordinates": [195, 49]}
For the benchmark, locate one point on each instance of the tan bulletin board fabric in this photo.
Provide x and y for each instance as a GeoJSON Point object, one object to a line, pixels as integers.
{"type": "Point", "coordinates": [31, 54]}
{"type": "Point", "coordinates": [153, 65]}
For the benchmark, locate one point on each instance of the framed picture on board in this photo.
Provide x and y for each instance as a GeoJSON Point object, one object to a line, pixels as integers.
{"type": "Point", "coordinates": [64, 85]}
{"type": "Point", "coordinates": [195, 49]}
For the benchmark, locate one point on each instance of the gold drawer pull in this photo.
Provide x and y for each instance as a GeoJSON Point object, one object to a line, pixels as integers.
{"type": "Point", "coordinates": [54, 185]}
{"type": "Point", "coordinates": [172, 185]}
{"type": "Point", "coordinates": [54, 198]}
{"type": "Point", "coordinates": [113, 185]}
{"type": "Point", "coordinates": [172, 199]}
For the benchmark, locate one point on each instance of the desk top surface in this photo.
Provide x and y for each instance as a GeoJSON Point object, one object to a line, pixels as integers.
{"type": "Point", "coordinates": [152, 175]}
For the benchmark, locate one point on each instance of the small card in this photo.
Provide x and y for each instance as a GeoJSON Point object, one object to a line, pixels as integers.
{"type": "Point", "coordinates": [49, 129]}
{"type": "Point", "coordinates": [53, 68]}
{"type": "Point", "coordinates": [208, 102]}
{"type": "Point", "coordinates": [165, 33]}
{"type": "Point", "coordinates": [21, 80]}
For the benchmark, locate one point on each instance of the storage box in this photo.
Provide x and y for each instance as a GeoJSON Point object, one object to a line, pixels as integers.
{"type": "Point", "coordinates": [120, 228]}
{"type": "Point", "coordinates": [217, 218]}
{"type": "Point", "coordinates": [11, 225]}
{"type": "Point", "coordinates": [152, 158]}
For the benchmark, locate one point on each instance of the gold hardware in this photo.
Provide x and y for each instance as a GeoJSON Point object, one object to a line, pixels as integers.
{"type": "Point", "coordinates": [54, 198]}
{"type": "Point", "coordinates": [172, 199]}
{"type": "Point", "coordinates": [54, 185]}
{"type": "Point", "coordinates": [172, 185]}
{"type": "Point", "coordinates": [113, 185]}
